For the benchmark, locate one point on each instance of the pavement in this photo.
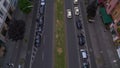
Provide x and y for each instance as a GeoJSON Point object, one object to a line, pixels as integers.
{"type": "Point", "coordinates": [16, 51]}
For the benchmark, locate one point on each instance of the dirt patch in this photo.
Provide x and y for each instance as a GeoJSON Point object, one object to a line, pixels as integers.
{"type": "Point", "coordinates": [59, 50]}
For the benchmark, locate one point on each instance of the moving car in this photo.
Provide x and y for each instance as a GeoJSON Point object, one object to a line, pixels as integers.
{"type": "Point", "coordinates": [79, 24]}
{"type": "Point", "coordinates": [69, 13]}
{"type": "Point", "coordinates": [84, 53]}
{"type": "Point", "coordinates": [76, 10]}
{"type": "Point", "coordinates": [81, 39]}
{"type": "Point", "coordinates": [75, 2]}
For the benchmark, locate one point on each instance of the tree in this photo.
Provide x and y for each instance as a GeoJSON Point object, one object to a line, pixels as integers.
{"type": "Point", "coordinates": [91, 9]}
{"type": "Point", "coordinates": [118, 29]}
{"type": "Point", "coordinates": [16, 30]}
{"type": "Point", "coordinates": [25, 6]}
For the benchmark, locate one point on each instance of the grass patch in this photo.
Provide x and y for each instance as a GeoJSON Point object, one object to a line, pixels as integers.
{"type": "Point", "coordinates": [60, 61]}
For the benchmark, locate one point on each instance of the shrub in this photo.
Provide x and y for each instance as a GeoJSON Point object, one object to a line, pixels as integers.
{"type": "Point", "coordinates": [25, 6]}
{"type": "Point", "coordinates": [118, 29]}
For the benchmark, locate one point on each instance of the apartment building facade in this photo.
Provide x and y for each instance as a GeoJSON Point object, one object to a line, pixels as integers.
{"type": "Point", "coordinates": [113, 9]}
{"type": "Point", "coordinates": [110, 4]}
{"type": "Point", "coordinates": [6, 9]}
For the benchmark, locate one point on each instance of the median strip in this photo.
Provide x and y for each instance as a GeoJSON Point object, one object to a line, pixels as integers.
{"type": "Point", "coordinates": [60, 61]}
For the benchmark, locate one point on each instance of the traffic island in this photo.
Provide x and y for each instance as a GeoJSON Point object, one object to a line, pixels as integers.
{"type": "Point", "coordinates": [60, 61]}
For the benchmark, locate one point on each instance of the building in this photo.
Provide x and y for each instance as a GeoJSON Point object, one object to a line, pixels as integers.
{"type": "Point", "coordinates": [113, 9]}
{"type": "Point", "coordinates": [6, 9]}
{"type": "Point", "coordinates": [115, 13]}
{"type": "Point", "coordinates": [110, 4]}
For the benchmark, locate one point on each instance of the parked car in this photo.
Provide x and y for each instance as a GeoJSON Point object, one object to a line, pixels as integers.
{"type": "Point", "coordinates": [42, 3]}
{"type": "Point", "coordinates": [81, 39]}
{"type": "Point", "coordinates": [69, 13]}
{"type": "Point", "coordinates": [37, 40]}
{"type": "Point", "coordinates": [79, 24]}
{"type": "Point", "coordinates": [42, 10]}
{"type": "Point", "coordinates": [40, 21]}
{"type": "Point", "coordinates": [84, 53]}
{"type": "Point", "coordinates": [10, 64]}
{"type": "Point", "coordinates": [75, 2]}
{"type": "Point", "coordinates": [76, 9]}
{"type": "Point", "coordinates": [19, 66]}
{"type": "Point", "coordinates": [85, 65]}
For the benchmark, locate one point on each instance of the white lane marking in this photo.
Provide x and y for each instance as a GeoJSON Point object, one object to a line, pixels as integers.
{"type": "Point", "coordinates": [43, 56]}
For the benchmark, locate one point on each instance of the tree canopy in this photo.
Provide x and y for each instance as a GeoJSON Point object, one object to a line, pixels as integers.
{"type": "Point", "coordinates": [16, 30]}
{"type": "Point", "coordinates": [91, 9]}
{"type": "Point", "coordinates": [25, 6]}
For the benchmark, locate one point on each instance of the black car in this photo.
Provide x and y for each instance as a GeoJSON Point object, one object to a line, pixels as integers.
{"type": "Point", "coordinates": [37, 41]}
{"type": "Point", "coordinates": [79, 24]}
{"type": "Point", "coordinates": [40, 21]}
{"type": "Point", "coordinates": [85, 65]}
{"type": "Point", "coordinates": [81, 39]}
{"type": "Point", "coordinates": [42, 10]}
{"type": "Point", "coordinates": [39, 29]}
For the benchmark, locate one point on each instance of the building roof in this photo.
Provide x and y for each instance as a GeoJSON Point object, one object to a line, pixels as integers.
{"type": "Point", "coordinates": [106, 18]}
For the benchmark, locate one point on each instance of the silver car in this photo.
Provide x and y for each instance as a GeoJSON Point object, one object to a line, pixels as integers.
{"type": "Point", "coordinates": [76, 10]}
{"type": "Point", "coordinates": [69, 13]}
{"type": "Point", "coordinates": [75, 1]}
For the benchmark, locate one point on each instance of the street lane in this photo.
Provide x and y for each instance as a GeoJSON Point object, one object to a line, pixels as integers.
{"type": "Point", "coordinates": [71, 39]}
{"type": "Point", "coordinates": [44, 56]}
{"type": "Point", "coordinates": [89, 44]}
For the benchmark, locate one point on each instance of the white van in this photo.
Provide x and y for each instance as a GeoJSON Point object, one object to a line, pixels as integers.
{"type": "Point", "coordinates": [75, 1]}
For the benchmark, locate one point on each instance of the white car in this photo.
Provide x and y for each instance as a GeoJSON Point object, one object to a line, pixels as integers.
{"type": "Point", "coordinates": [75, 1]}
{"type": "Point", "coordinates": [84, 53]}
{"type": "Point", "coordinates": [42, 2]}
{"type": "Point", "coordinates": [69, 13]}
{"type": "Point", "coordinates": [76, 10]}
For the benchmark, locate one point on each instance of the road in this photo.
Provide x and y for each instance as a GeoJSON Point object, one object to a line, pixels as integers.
{"type": "Point", "coordinates": [101, 45]}
{"type": "Point", "coordinates": [71, 37]}
{"type": "Point", "coordinates": [44, 55]}
{"type": "Point", "coordinates": [89, 44]}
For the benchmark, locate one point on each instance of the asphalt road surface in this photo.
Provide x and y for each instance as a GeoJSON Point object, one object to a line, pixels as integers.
{"type": "Point", "coordinates": [89, 44]}
{"type": "Point", "coordinates": [73, 57]}
{"type": "Point", "coordinates": [44, 55]}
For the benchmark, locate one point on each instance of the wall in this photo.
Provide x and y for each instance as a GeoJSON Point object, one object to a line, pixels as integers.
{"type": "Point", "coordinates": [110, 5]}
{"type": "Point", "coordinates": [115, 13]}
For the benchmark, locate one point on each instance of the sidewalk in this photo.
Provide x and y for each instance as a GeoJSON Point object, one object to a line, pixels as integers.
{"type": "Point", "coordinates": [18, 15]}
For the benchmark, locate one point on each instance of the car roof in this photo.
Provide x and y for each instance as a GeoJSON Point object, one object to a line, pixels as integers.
{"type": "Point", "coordinates": [84, 54]}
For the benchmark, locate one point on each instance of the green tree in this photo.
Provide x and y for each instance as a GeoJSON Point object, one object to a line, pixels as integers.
{"type": "Point", "coordinates": [91, 9]}
{"type": "Point", "coordinates": [25, 6]}
{"type": "Point", "coordinates": [118, 29]}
